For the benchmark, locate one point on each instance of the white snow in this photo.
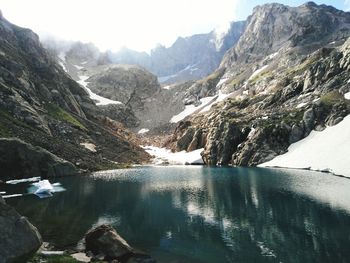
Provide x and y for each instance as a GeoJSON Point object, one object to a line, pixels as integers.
{"type": "Point", "coordinates": [347, 96]}
{"type": "Point", "coordinates": [100, 100]}
{"type": "Point", "coordinates": [222, 81]}
{"type": "Point", "coordinates": [251, 133]}
{"type": "Point", "coordinates": [142, 131]}
{"type": "Point", "coordinates": [190, 109]}
{"type": "Point", "coordinates": [32, 179]}
{"type": "Point", "coordinates": [83, 63]}
{"type": "Point", "coordinates": [89, 146]}
{"type": "Point", "coordinates": [165, 155]}
{"type": "Point", "coordinates": [315, 100]}
{"type": "Point", "coordinates": [257, 72]}
{"type": "Point", "coordinates": [63, 66]}
{"type": "Point", "coordinates": [327, 150]}
{"type": "Point", "coordinates": [220, 97]}
{"type": "Point", "coordinates": [78, 67]}
{"type": "Point", "coordinates": [300, 105]}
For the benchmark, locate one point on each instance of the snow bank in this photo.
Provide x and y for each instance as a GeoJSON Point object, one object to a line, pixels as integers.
{"type": "Point", "coordinates": [257, 72]}
{"type": "Point", "coordinates": [190, 109]}
{"type": "Point", "coordinates": [347, 96]}
{"type": "Point", "coordinates": [142, 131]}
{"type": "Point", "coordinates": [100, 100]}
{"type": "Point", "coordinates": [327, 150]}
{"type": "Point", "coordinates": [163, 155]}
{"type": "Point", "coordinates": [78, 67]}
{"type": "Point", "coordinates": [89, 146]}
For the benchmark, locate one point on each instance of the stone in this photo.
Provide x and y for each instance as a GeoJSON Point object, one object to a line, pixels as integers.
{"type": "Point", "coordinates": [22, 160]}
{"type": "Point", "coordinates": [104, 242]}
{"type": "Point", "coordinates": [19, 238]}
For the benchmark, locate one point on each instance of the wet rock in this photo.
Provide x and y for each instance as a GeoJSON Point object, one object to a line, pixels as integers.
{"type": "Point", "coordinates": [104, 242]}
{"type": "Point", "coordinates": [19, 238]}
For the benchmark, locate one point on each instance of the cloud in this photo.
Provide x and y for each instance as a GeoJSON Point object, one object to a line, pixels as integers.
{"type": "Point", "coordinates": [347, 5]}
{"type": "Point", "coordinates": [137, 24]}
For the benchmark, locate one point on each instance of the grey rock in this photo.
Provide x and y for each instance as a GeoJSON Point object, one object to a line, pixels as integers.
{"type": "Point", "coordinates": [105, 242]}
{"type": "Point", "coordinates": [22, 160]}
{"type": "Point", "coordinates": [19, 238]}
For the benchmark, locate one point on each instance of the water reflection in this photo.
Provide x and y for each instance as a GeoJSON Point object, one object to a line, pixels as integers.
{"type": "Point", "coordinates": [200, 214]}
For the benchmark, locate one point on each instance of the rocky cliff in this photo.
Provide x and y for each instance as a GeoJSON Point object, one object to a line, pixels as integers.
{"type": "Point", "coordinates": [44, 106]}
{"type": "Point", "coordinates": [286, 76]}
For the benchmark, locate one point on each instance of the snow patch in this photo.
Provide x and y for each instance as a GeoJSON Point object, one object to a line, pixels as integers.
{"type": "Point", "coordinates": [63, 66]}
{"type": "Point", "coordinates": [327, 150]}
{"type": "Point", "coordinates": [220, 97]}
{"type": "Point", "coordinates": [10, 196]}
{"type": "Point", "coordinates": [100, 100]}
{"type": "Point", "coordinates": [78, 67]}
{"type": "Point", "coordinates": [190, 109]}
{"type": "Point", "coordinates": [257, 72]}
{"type": "Point", "coordinates": [347, 96]}
{"type": "Point", "coordinates": [222, 81]}
{"type": "Point", "coordinates": [301, 105]}
{"type": "Point", "coordinates": [89, 146]}
{"type": "Point", "coordinates": [180, 158]}
{"type": "Point", "coordinates": [142, 131]}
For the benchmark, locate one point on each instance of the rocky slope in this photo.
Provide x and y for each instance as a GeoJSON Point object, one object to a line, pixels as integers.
{"type": "Point", "coordinates": [42, 105]}
{"type": "Point", "coordinates": [286, 76]}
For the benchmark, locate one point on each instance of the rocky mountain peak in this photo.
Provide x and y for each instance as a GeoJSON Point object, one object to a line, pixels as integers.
{"type": "Point", "coordinates": [272, 27]}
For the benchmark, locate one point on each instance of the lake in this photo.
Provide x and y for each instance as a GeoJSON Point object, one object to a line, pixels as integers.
{"type": "Point", "coordinates": [201, 214]}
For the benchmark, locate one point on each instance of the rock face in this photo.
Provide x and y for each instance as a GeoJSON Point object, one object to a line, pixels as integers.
{"type": "Point", "coordinates": [22, 160]}
{"type": "Point", "coordinates": [42, 105]}
{"type": "Point", "coordinates": [19, 238]}
{"type": "Point", "coordinates": [105, 241]}
{"type": "Point", "coordinates": [286, 76]}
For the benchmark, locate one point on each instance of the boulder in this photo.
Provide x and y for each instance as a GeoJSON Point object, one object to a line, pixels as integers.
{"type": "Point", "coordinates": [19, 238]}
{"type": "Point", "coordinates": [106, 242]}
{"type": "Point", "coordinates": [22, 160]}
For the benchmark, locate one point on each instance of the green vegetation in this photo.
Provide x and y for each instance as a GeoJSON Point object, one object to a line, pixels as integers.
{"type": "Point", "coordinates": [62, 115]}
{"type": "Point", "coordinates": [302, 67]}
{"type": "Point", "coordinates": [265, 74]}
{"type": "Point", "coordinates": [332, 98]}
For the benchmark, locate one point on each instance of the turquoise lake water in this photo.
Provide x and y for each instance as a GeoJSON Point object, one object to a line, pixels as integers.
{"type": "Point", "coordinates": [201, 214]}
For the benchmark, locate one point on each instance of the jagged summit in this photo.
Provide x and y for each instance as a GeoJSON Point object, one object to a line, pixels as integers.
{"type": "Point", "coordinates": [272, 27]}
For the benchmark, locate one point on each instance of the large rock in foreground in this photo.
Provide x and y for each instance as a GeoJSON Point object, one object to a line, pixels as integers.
{"type": "Point", "coordinates": [106, 242]}
{"type": "Point", "coordinates": [22, 160]}
{"type": "Point", "coordinates": [19, 238]}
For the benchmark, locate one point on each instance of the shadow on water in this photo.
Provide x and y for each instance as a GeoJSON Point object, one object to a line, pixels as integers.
{"type": "Point", "coordinates": [198, 214]}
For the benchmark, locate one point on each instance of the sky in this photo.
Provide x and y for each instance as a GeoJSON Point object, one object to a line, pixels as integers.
{"type": "Point", "coordinates": [136, 24]}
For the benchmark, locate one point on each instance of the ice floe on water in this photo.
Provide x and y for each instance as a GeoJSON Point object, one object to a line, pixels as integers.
{"type": "Point", "coordinates": [25, 180]}
{"type": "Point", "coordinates": [44, 188]}
{"type": "Point", "coordinates": [41, 188]}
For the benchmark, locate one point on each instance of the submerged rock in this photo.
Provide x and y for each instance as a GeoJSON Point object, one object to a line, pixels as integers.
{"type": "Point", "coordinates": [19, 238]}
{"type": "Point", "coordinates": [104, 242]}
{"type": "Point", "coordinates": [22, 160]}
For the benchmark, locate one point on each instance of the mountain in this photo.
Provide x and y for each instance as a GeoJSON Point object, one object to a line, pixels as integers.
{"type": "Point", "coordinates": [189, 58]}
{"type": "Point", "coordinates": [42, 105]}
{"type": "Point", "coordinates": [287, 75]}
